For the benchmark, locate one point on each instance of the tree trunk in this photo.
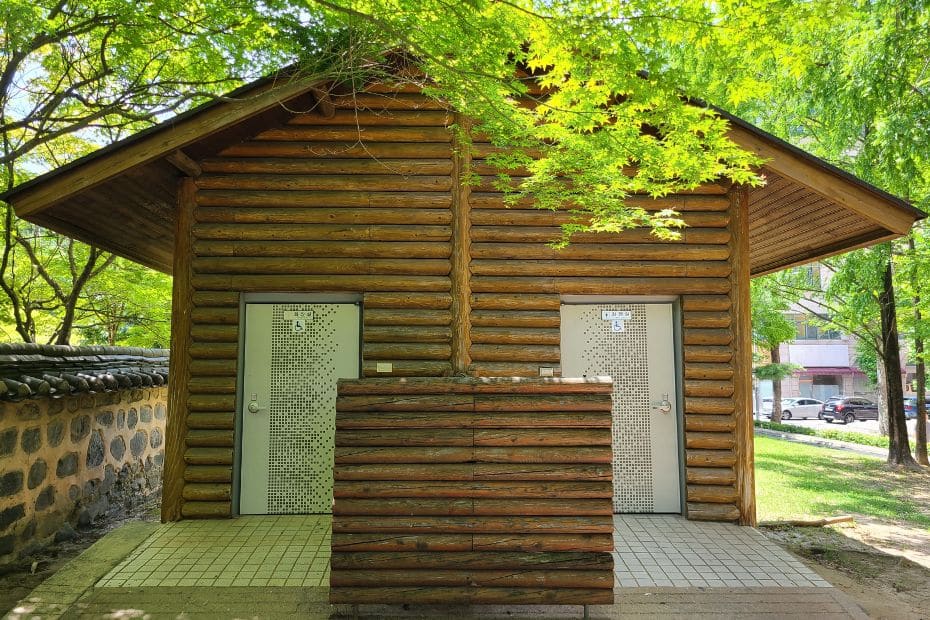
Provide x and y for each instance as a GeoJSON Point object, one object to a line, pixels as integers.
{"type": "Point", "coordinates": [776, 387]}
{"type": "Point", "coordinates": [899, 449]}
{"type": "Point", "coordinates": [920, 448]}
{"type": "Point", "coordinates": [882, 382]}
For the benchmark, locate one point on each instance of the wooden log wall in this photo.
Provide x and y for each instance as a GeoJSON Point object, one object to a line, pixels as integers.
{"type": "Point", "coordinates": [463, 490]}
{"type": "Point", "coordinates": [371, 201]}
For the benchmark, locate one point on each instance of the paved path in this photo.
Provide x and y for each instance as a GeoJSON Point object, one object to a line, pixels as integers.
{"type": "Point", "coordinates": [825, 443]}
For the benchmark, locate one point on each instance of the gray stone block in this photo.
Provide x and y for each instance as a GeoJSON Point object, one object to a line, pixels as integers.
{"type": "Point", "coordinates": [11, 483]}
{"type": "Point", "coordinates": [8, 441]}
{"type": "Point", "coordinates": [155, 440]}
{"type": "Point", "coordinates": [132, 419]}
{"type": "Point", "coordinates": [120, 419]}
{"type": "Point", "coordinates": [138, 443]}
{"type": "Point", "coordinates": [145, 413]}
{"type": "Point", "coordinates": [56, 406]}
{"type": "Point", "coordinates": [11, 515]}
{"type": "Point", "coordinates": [6, 544]}
{"type": "Point", "coordinates": [95, 450]}
{"type": "Point", "coordinates": [31, 440]}
{"type": "Point", "coordinates": [74, 493]}
{"type": "Point", "coordinates": [37, 473]}
{"type": "Point", "coordinates": [80, 428]}
{"type": "Point", "coordinates": [45, 499]}
{"type": "Point", "coordinates": [118, 448]}
{"type": "Point", "coordinates": [55, 433]}
{"type": "Point", "coordinates": [28, 411]}
{"type": "Point", "coordinates": [160, 411]}
{"type": "Point", "coordinates": [67, 465]}
{"type": "Point", "coordinates": [105, 419]}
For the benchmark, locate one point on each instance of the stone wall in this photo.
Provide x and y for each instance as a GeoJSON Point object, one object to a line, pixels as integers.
{"type": "Point", "coordinates": [72, 460]}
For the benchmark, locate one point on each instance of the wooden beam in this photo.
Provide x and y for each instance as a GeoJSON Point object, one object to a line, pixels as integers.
{"type": "Point", "coordinates": [844, 245]}
{"type": "Point", "coordinates": [155, 145]}
{"type": "Point", "coordinates": [461, 256]}
{"type": "Point", "coordinates": [179, 369]}
{"type": "Point", "coordinates": [742, 356]}
{"type": "Point", "coordinates": [869, 205]}
{"type": "Point", "coordinates": [180, 160]}
{"type": "Point", "coordinates": [324, 104]}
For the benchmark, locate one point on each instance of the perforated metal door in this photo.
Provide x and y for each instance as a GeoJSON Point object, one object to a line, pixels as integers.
{"type": "Point", "coordinates": [634, 345]}
{"type": "Point", "coordinates": [294, 354]}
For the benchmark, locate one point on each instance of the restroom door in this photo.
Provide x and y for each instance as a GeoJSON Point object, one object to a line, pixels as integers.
{"type": "Point", "coordinates": [293, 356]}
{"type": "Point", "coordinates": [634, 345]}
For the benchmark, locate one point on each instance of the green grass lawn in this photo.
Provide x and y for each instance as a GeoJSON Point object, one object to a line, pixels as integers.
{"type": "Point", "coordinates": [800, 481]}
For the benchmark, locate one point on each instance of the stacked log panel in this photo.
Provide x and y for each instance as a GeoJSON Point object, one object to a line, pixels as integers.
{"type": "Point", "coordinates": [466, 490]}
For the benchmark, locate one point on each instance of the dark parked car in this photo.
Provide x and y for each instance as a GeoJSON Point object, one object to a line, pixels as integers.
{"type": "Point", "coordinates": [848, 409]}
{"type": "Point", "coordinates": [910, 407]}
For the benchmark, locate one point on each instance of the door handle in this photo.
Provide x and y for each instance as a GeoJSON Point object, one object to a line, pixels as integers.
{"type": "Point", "coordinates": [253, 407]}
{"type": "Point", "coordinates": [662, 406]}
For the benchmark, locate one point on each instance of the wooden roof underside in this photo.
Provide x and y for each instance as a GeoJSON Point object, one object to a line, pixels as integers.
{"type": "Point", "coordinates": [123, 199]}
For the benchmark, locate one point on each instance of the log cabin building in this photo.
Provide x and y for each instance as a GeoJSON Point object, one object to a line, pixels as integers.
{"type": "Point", "coordinates": [314, 237]}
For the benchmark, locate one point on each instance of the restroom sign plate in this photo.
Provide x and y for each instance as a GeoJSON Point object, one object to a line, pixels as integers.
{"type": "Point", "coordinates": [616, 315]}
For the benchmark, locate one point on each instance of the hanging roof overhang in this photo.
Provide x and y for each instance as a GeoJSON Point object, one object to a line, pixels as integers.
{"type": "Point", "coordinates": [122, 198]}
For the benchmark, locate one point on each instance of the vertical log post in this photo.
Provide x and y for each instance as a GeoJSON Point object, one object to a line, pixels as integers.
{"type": "Point", "coordinates": [742, 354]}
{"type": "Point", "coordinates": [460, 272]}
{"type": "Point", "coordinates": [179, 367]}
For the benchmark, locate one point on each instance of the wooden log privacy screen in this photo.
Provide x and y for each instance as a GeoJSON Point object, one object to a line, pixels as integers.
{"type": "Point", "coordinates": [473, 491]}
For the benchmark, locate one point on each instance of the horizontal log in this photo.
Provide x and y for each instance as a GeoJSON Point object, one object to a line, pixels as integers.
{"type": "Point", "coordinates": [207, 492]}
{"type": "Point", "coordinates": [206, 510]}
{"type": "Point", "coordinates": [407, 368]}
{"type": "Point", "coordinates": [598, 286]}
{"type": "Point", "coordinates": [702, 336]}
{"type": "Point", "coordinates": [223, 438]}
{"type": "Point", "coordinates": [405, 437]}
{"type": "Point", "coordinates": [378, 317]}
{"type": "Point", "coordinates": [324, 249]}
{"type": "Point", "coordinates": [395, 118]}
{"type": "Point", "coordinates": [710, 423]}
{"type": "Point", "coordinates": [600, 268]}
{"type": "Point", "coordinates": [545, 217]}
{"type": "Point", "coordinates": [405, 402]}
{"type": "Point", "coordinates": [346, 182]}
{"type": "Point", "coordinates": [712, 493]}
{"type": "Point", "coordinates": [211, 402]}
{"type": "Point", "coordinates": [408, 301]}
{"type": "Point", "coordinates": [299, 216]}
{"type": "Point", "coordinates": [515, 318]}
{"type": "Point", "coordinates": [213, 368]}
{"type": "Point", "coordinates": [706, 319]}
{"type": "Point", "coordinates": [321, 266]}
{"type": "Point", "coordinates": [213, 420]}
{"type": "Point", "coordinates": [447, 506]}
{"type": "Point", "coordinates": [477, 402]}
{"type": "Point", "coordinates": [532, 234]}
{"type": "Point", "coordinates": [490, 579]}
{"type": "Point", "coordinates": [543, 542]}
{"type": "Point", "coordinates": [208, 473]}
{"type": "Point", "coordinates": [324, 282]}
{"type": "Point", "coordinates": [510, 369]}
{"type": "Point", "coordinates": [678, 202]}
{"type": "Point", "coordinates": [381, 543]}
{"type": "Point", "coordinates": [708, 371]}
{"type": "Point", "coordinates": [535, 437]}
{"type": "Point", "coordinates": [707, 354]}
{"type": "Point", "coordinates": [710, 458]}
{"type": "Point", "coordinates": [405, 333]}
{"type": "Point", "coordinates": [473, 472]}
{"type": "Point", "coordinates": [644, 252]}
{"type": "Point", "coordinates": [711, 475]}
{"type": "Point", "coordinates": [496, 301]}
{"type": "Point", "coordinates": [348, 149]}
{"type": "Point", "coordinates": [712, 512]}
{"type": "Point", "coordinates": [405, 351]}
{"type": "Point", "coordinates": [449, 595]}
{"type": "Point", "coordinates": [208, 456]}
{"type": "Point", "coordinates": [511, 353]}
{"type": "Point", "coordinates": [330, 199]}
{"type": "Point", "coordinates": [705, 303]}
{"type": "Point", "coordinates": [357, 134]}
{"type": "Point", "coordinates": [472, 385]}
{"type": "Point", "coordinates": [501, 560]}
{"type": "Point", "coordinates": [224, 299]}
{"type": "Point", "coordinates": [215, 315]}
{"type": "Point", "coordinates": [287, 165]}
{"type": "Point", "coordinates": [600, 489]}
{"type": "Point", "coordinates": [708, 387]}
{"type": "Point", "coordinates": [543, 402]}
{"type": "Point", "coordinates": [481, 454]}
{"type": "Point", "coordinates": [215, 333]}
{"type": "Point", "coordinates": [214, 351]}
{"type": "Point", "coordinates": [515, 335]}
{"type": "Point", "coordinates": [712, 406]}
{"type": "Point", "coordinates": [321, 232]}
{"type": "Point", "coordinates": [213, 385]}
{"type": "Point", "coordinates": [497, 419]}
{"type": "Point", "coordinates": [481, 543]}
{"type": "Point", "coordinates": [710, 441]}
{"type": "Point", "coordinates": [474, 525]}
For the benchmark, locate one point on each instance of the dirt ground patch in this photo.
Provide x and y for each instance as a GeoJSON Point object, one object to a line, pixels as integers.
{"type": "Point", "coordinates": [882, 579]}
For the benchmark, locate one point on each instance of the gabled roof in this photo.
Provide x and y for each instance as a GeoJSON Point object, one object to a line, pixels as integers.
{"type": "Point", "coordinates": [122, 197]}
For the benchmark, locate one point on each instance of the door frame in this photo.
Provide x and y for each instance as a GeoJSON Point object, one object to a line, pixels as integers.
{"type": "Point", "coordinates": [677, 354]}
{"type": "Point", "coordinates": [276, 298]}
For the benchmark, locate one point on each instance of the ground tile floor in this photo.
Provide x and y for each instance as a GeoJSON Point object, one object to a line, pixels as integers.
{"type": "Point", "coordinates": [277, 566]}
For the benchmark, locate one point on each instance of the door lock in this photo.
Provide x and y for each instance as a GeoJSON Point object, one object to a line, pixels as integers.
{"type": "Point", "coordinates": [662, 406]}
{"type": "Point", "coordinates": [253, 407]}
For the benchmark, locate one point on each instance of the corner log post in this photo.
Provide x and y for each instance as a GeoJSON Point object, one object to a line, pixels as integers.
{"type": "Point", "coordinates": [179, 366]}
{"type": "Point", "coordinates": [460, 272]}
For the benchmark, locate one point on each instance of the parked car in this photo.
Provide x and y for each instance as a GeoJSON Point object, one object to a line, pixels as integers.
{"type": "Point", "coordinates": [801, 408]}
{"type": "Point", "coordinates": [848, 409]}
{"type": "Point", "coordinates": [910, 407]}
